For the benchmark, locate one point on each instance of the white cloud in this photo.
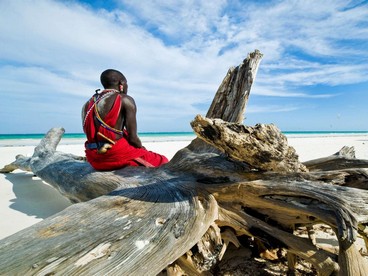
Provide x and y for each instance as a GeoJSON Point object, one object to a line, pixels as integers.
{"type": "Point", "coordinates": [324, 74]}
{"type": "Point", "coordinates": [178, 18]}
{"type": "Point", "coordinates": [175, 53]}
{"type": "Point", "coordinates": [271, 109]}
{"type": "Point", "coordinates": [275, 91]}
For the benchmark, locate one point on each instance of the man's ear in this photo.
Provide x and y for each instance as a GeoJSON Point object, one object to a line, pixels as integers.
{"type": "Point", "coordinates": [121, 85]}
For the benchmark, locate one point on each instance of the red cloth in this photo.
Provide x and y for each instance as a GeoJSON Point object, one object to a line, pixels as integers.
{"type": "Point", "coordinates": [110, 119]}
{"type": "Point", "coordinates": [122, 153]}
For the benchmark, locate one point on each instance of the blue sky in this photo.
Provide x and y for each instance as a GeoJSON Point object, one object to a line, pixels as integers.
{"type": "Point", "coordinates": [313, 76]}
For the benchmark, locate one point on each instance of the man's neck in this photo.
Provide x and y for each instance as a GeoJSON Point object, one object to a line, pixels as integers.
{"type": "Point", "coordinates": [112, 90]}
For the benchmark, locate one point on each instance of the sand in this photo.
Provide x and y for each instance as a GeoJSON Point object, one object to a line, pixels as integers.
{"type": "Point", "coordinates": [26, 200]}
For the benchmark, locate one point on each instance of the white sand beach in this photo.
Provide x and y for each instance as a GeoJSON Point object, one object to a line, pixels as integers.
{"type": "Point", "coordinates": [25, 199]}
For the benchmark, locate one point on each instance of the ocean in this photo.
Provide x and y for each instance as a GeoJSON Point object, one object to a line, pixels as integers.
{"type": "Point", "coordinates": [9, 140]}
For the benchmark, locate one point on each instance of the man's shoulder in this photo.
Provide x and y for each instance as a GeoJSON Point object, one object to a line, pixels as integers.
{"type": "Point", "coordinates": [85, 105]}
{"type": "Point", "coordinates": [126, 98]}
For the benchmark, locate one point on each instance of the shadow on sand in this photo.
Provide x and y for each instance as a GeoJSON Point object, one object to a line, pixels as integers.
{"type": "Point", "coordinates": [34, 197]}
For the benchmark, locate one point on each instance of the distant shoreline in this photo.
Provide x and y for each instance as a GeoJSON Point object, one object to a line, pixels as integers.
{"type": "Point", "coordinates": [184, 133]}
{"type": "Point", "coordinates": [18, 140]}
{"type": "Point", "coordinates": [82, 135]}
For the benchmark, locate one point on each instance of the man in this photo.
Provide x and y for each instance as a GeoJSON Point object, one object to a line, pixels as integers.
{"type": "Point", "coordinates": [109, 122]}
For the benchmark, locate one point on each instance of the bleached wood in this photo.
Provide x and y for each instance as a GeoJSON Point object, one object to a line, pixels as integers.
{"type": "Point", "coordinates": [263, 147]}
{"type": "Point", "coordinates": [181, 216]}
{"type": "Point", "coordinates": [232, 96]}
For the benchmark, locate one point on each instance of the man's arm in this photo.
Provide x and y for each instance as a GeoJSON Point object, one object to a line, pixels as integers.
{"type": "Point", "coordinates": [84, 113]}
{"type": "Point", "coordinates": [130, 111]}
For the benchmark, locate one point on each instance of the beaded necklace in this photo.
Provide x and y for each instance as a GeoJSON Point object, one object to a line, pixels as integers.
{"type": "Point", "coordinates": [106, 126]}
{"type": "Point", "coordinates": [96, 98]}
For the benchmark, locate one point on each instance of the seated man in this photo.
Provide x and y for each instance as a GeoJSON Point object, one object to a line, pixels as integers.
{"type": "Point", "coordinates": [109, 122]}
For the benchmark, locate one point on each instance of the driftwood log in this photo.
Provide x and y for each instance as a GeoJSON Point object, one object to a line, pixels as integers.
{"type": "Point", "coordinates": [231, 182]}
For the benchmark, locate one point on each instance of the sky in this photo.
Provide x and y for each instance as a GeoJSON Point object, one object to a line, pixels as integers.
{"type": "Point", "coordinates": [174, 54]}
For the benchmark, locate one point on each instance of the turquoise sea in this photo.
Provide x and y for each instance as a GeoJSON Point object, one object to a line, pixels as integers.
{"type": "Point", "coordinates": [82, 136]}
{"type": "Point", "coordinates": [8, 140]}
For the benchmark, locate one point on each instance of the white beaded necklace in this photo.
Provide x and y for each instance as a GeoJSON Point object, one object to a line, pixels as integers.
{"type": "Point", "coordinates": [106, 91]}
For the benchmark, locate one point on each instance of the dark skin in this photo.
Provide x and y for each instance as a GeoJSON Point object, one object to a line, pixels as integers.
{"type": "Point", "coordinates": [128, 109]}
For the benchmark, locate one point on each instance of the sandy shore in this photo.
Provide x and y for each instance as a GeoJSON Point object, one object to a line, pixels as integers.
{"type": "Point", "coordinates": [25, 199]}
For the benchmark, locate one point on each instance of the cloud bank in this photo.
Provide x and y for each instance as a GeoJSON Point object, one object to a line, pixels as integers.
{"type": "Point", "coordinates": [175, 54]}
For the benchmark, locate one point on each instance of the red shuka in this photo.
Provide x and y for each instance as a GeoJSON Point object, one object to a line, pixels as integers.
{"type": "Point", "coordinates": [122, 153]}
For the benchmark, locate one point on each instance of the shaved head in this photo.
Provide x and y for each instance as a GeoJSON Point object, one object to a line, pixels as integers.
{"type": "Point", "coordinates": [111, 78]}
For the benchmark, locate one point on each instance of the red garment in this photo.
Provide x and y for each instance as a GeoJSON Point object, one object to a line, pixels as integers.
{"type": "Point", "coordinates": [110, 119]}
{"type": "Point", "coordinates": [122, 153]}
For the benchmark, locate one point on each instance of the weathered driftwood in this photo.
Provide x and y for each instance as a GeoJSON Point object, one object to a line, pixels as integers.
{"type": "Point", "coordinates": [231, 181]}
{"type": "Point", "coordinates": [262, 147]}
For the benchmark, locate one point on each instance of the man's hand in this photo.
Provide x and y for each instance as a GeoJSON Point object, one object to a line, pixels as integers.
{"type": "Point", "coordinates": [104, 148]}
